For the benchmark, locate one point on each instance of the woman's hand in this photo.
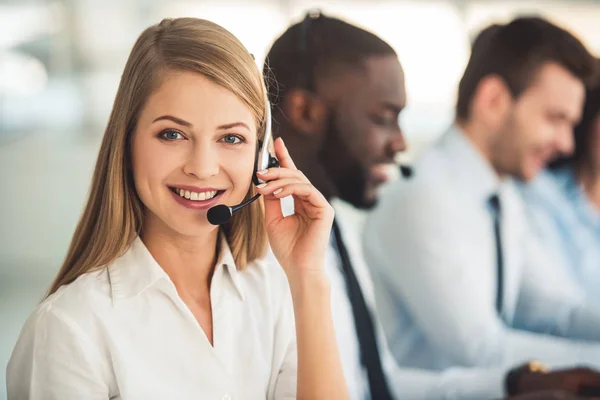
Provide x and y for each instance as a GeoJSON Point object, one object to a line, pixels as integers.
{"type": "Point", "coordinates": [298, 241]}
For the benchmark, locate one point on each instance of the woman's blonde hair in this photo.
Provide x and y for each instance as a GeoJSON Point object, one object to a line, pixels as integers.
{"type": "Point", "coordinates": [113, 215]}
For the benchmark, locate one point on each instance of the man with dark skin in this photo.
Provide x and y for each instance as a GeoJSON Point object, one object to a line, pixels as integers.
{"type": "Point", "coordinates": [337, 92]}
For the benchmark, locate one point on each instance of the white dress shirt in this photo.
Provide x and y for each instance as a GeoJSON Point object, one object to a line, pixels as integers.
{"type": "Point", "coordinates": [123, 332]}
{"type": "Point", "coordinates": [431, 246]}
{"type": "Point", "coordinates": [405, 383]}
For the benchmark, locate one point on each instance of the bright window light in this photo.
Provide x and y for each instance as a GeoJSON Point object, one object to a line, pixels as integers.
{"type": "Point", "coordinates": [21, 75]}
{"type": "Point", "coordinates": [255, 24]}
{"type": "Point", "coordinates": [21, 23]}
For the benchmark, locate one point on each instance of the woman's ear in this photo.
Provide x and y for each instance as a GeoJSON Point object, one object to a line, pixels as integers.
{"type": "Point", "coordinates": [307, 114]}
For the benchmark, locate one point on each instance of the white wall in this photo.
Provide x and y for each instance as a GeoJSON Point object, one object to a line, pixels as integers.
{"type": "Point", "coordinates": [44, 182]}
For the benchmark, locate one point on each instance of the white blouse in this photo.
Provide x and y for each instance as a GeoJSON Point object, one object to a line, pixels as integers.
{"type": "Point", "coordinates": [123, 332]}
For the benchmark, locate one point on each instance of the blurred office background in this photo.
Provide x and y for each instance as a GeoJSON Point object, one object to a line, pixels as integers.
{"type": "Point", "coordinates": [60, 64]}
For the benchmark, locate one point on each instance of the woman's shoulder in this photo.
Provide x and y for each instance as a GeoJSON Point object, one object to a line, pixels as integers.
{"type": "Point", "coordinates": [61, 335]}
{"type": "Point", "coordinates": [77, 300]}
{"type": "Point", "coordinates": [68, 317]}
{"type": "Point", "coordinates": [90, 286]}
{"type": "Point", "coordinates": [92, 292]}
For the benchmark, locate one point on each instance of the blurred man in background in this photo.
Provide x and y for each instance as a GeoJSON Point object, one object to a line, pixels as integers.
{"type": "Point", "coordinates": [460, 282]}
{"type": "Point", "coordinates": [337, 92]}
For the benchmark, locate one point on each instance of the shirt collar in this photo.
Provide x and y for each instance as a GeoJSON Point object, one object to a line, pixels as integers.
{"type": "Point", "coordinates": [472, 171]}
{"type": "Point", "coordinates": [136, 271]}
{"type": "Point", "coordinates": [227, 261]}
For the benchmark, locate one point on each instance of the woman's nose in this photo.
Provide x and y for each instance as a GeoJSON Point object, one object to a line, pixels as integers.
{"type": "Point", "coordinates": [202, 161]}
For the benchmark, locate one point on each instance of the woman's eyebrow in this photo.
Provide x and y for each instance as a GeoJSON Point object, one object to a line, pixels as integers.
{"type": "Point", "coordinates": [234, 125]}
{"type": "Point", "coordinates": [182, 122]}
{"type": "Point", "coordinates": [174, 119]}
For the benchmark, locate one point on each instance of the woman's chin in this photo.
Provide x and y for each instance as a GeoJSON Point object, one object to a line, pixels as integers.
{"type": "Point", "coordinates": [180, 225]}
{"type": "Point", "coordinates": [197, 227]}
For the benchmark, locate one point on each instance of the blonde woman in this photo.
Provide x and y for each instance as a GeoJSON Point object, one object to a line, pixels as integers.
{"type": "Point", "coordinates": [154, 302]}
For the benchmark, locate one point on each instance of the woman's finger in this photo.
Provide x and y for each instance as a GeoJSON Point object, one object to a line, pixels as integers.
{"type": "Point", "coordinates": [273, 211]}
{"type": "Point", "coordinates": [280, 173]}
{"type": "Point", "coordinates": [304, 192]}
{"type": "Point", "coordinates": [283, 154]}
{"type": "Point", "coordinates": [273, 186]}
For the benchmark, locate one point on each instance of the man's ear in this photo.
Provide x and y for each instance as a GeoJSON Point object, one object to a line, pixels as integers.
{"type": "Point", "coordinates": [492, 100]}
{"type": "Point", "coordinates": [306, 112]}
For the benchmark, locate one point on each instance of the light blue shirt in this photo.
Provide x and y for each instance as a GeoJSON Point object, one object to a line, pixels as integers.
{"type": "Point", "coordinates": [567, 222]}
{"type": "Point", "coordinates": [431, 247]}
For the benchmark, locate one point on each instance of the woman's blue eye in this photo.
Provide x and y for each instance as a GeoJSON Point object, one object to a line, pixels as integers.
{"type": "Point", "coordinates": [171, 135]}
{"type": "Point", "coordinates": [232, 139]}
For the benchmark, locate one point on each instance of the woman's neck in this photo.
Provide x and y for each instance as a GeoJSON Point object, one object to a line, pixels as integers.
{"type": "Point", "coordinates": [189, 261]}
{"type": "Point", "coordinates": [589, 178]}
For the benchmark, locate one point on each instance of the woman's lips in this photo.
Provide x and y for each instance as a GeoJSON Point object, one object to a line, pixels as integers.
{"type": "Point", "coordinates": [194, 202]}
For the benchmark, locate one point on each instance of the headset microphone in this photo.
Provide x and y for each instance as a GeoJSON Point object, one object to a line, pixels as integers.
{"type": "Point", "coordinates": [406, 171]}
{"type": "Point", "coordinates": [220, 214]}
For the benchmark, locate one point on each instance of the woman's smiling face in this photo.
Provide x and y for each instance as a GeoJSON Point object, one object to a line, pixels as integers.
{"type": "Point", "coordinates": [194, 146]}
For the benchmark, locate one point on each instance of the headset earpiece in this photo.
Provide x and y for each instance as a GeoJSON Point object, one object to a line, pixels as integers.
{"type": "Point", "coordinates": [264, 159]}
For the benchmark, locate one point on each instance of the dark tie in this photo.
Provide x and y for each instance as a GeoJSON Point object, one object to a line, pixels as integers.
{"type": "Point", "coordinates": [363, 324]}
{"type": "Point", "coordinates": [494, 202]}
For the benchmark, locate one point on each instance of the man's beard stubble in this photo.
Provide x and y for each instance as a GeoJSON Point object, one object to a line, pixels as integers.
{"type": "Point", "coordinates": [345, 171]}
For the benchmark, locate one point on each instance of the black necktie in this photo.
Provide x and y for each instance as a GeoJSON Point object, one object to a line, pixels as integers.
{"type": "Point", "coordinates": [496, 212]}
{"type": "Point", "coordinates": [363, 324]}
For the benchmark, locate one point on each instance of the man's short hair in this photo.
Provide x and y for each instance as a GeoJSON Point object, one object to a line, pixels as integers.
{"type": "Point", "coordinates": [515, 52]}
{"type": "Point", "coordinates": [315, 47]}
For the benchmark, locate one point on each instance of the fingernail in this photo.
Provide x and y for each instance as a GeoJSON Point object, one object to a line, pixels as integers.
{"type": "Point", "coordinates": [263, 172]}
{"type": "Point", "coordinates": [278, 191]}
{"type": "Point", "coordinates": [262, 185]}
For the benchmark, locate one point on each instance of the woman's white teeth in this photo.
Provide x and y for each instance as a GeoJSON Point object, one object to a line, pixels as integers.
{"type": "Point", "coordinates": [198, 196]}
